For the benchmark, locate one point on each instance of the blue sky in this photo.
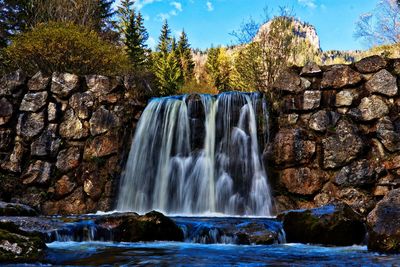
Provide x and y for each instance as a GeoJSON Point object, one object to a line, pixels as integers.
{"type": "Point", "coordinates": [209, 22]}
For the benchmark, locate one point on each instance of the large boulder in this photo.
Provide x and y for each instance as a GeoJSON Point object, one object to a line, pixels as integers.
{"type": "Point", "coordinates": [68, 159]}
{"type": "Point", "coordinates": [11, 82]}
{"type": "Point", "coordinates": [343, 147]}
{"type": "Point", "coordinates": [130, 227]}
{"type": "Point", "coordinates": [33, 101]}
{"type": "Point", "coordinates": [100, 85]}
{"type": "Point", "coordinates": [373, 107]}
{"type": "Point", "coordinates": [30, 124]}
{"type": "Point", "coordinates": [289, 81]}
{"type": "Point", "coordinates": [384, 224]}
{"type": "Point", "coordinates": [387, 134]}
{"type": "Point", "coordinates": [291, 147]}
{"type": "Point", "coordinates": [319, 121]}
{"type": "Point", "coordinates": [47, 144]}
{"type": "Point", "coordinates": [382, 82]}
{"type": "Point", "coordinates": [100, 146]}
{"type": "Point", "coordinates": [345, 98]}
{"type": "Point", "coordinates": [359, 173]}
{"type": "Point", "coordinates": [6, 111]}
{"type": "Point", "coordinates": [311, 100]}
{"type": "Point", "coordinates": [82, 104]}
{"type": "Point", "coordinates": [102, 121]}
{"type": "Point", "coordinates": [303, 181]}
{"type": "Point", "coordinates": [13, 162]}
{"type": "Point", "coordinates": [333, 224]}
{"type": "Point", "coordinates": [64, 186]}
{"type": "Point", "coordinates": [340, 76]}
{"type": "Point", "coordinates": [370, 64]}
{"type": "Point", "coordinates": [38, 172]}
{"type": "Point", "coordinates": [72, 127]}
{"type": "Point", "coordinates": [64, 84]}
{"type": "Point", "coordinates": [74, 203]}
{"type": "Point", "coordinates": [38, 82]}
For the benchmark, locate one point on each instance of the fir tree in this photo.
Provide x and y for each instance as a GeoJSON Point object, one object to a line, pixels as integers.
{"type": "Point", "coordinates": [168, 74]}
{"type": "Point", "coordinates": [124, 12]}
{"type": "Point", "coordinates": [135, 41]}
{"type": "Point", "coordinates": [185, 57]}
{"type": "Point", "coordinates": [164, 45]}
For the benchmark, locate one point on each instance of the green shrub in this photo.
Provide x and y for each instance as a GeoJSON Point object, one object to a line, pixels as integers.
{"type": "Point", "coordinates": [66, 47]}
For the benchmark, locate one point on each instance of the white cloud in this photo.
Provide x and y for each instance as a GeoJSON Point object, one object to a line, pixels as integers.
{"type": "Point", "coordinates": [163, 16]}
{"type": "Point", "coordinates": [141, 3]}
{"type": "Point", "coordinates": [177, 5]}
{"type": "Point", "coordinates": [308, 3]}
{"type": "Point", "coordinates": [210, 6]}
{"type": "Point", "coordinates": [151, 42]}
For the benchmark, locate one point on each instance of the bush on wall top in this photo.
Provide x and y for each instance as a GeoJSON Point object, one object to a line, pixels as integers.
{"type": "Point", "coordinates": [66, 47]}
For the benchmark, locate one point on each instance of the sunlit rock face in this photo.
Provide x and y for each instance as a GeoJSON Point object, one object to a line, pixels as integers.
{"type": "Point", "coordinates": [198, 155]}
{"type": "Point", "coordinates": [345, 147]}
{"type": "Point", "coordinates": [62, 140]}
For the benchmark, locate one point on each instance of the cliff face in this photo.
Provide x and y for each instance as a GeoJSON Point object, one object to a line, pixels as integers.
{"type": "Point", "coordinates": [336, 135]}
{"type": "Point", "coordinates": [64, 138]}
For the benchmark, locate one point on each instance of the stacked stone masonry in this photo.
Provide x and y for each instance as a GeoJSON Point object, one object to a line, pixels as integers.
{"type": "Point", "coordinates": [337, 135]}
{"type": "Point", "coordinates": [63, 139]}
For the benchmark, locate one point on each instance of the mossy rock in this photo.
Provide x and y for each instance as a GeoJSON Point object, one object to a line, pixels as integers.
{"type": "Point", "coordinates": [15, 209]}
{"type": "Point", "coordinates": [19, 246]}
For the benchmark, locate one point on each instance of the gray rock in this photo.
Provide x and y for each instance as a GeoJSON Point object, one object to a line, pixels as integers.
{"type": "Point", "coordinates": [39, 172]}
{"type": "Point", "coordinates": [82, 104]}
{"type": "Point", "coordinates": [102, 121]}
{"type": "Point", "coordinates": [387, 134]}
{"type": "Point", "coordinates": [30, 124]}
{"type": "Point", "coordinates": [382, 82]}
{"type": "Point", "coordinates": [319, 121]}
{"type": "Point", "coordinates": [340, 76]}
{"type": "Point", "coordinates": [373, 107]}
{"type": "Point", "coordinates": [6, 111]}
{"type": "Point", "coordinates": [39, 82]}
{"type": "Point", "coordinates": [370, 64]}
{"type": "Point", "coordinates": [69, 159]}
{"type": "Point", "coordinates": [33, 101]}
{"type": "Point", "coordinates": [64, 84]}
{"type": "Point", "coordinates": [345, 98]}
{"type": "Point", "coordinates": [288, 81]}
{"type": "Point", "coordinates": [11, 82]}
{"type": "Point", "coordinates": [101, 85]}
{"type": "Point", "coordinates": [312, 100]}
{"type": "Point", "coordinates": [47, 144]}
{"type": "Point", "coordinates": [16, 209]}
{"type": "Point", "coordinates": [72, 127]}
{"type": "Point", "coordinates": [14, 160]}
{"type": "Point", "coordinates": [310, 69]}
{"type": "Point", "coordinates": [358, 173]}
{"type": "Point", "coordinates": [341, 148]}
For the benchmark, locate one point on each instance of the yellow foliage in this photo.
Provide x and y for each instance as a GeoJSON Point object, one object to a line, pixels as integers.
{"type": "Point", "coordinates": [66, 47]}
{"type": "Point", "coordinates": [193, 87]}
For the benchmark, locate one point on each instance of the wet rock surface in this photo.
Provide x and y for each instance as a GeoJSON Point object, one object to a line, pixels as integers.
{"type": "Point", "coordinates": [384, 224]}
{"type": "Point", "coordinates": [333, 224]}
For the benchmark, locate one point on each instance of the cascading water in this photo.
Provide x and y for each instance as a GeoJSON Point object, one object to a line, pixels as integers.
{"type": "Point", "coordinates": [198, 154]}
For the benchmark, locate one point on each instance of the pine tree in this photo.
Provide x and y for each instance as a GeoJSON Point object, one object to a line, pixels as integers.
{"type": "Point", "coordinates": [124, 12]}
{"type": "Point", "coordinates": [106, 12]}
{"type": "Point", "coordinates": [185, 57]}
{"type": "Point", "coordinates": [134, 34]}
{"type": "Point", "coordinates": [164, 45]}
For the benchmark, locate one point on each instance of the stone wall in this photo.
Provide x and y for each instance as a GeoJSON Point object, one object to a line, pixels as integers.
{"type": "Point", "coordinates": [63, 139]}
{"type": "Point", "coordinates": [336, 135]}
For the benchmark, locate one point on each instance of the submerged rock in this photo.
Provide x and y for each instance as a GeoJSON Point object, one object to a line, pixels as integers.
{"type": "Point", "coordinates": [384, 224]}
{"type": "Point", "coordinates": [131, 227]}
{"type": "Point", "coordinates": [333, 224]}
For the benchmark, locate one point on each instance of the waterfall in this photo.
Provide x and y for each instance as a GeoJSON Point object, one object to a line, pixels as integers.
{"type": "Point", "coordinates": [198, 154]}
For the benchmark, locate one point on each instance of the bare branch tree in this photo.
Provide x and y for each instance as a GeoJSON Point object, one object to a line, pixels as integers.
{"type": "Point", "coordinates": [382, 25]}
